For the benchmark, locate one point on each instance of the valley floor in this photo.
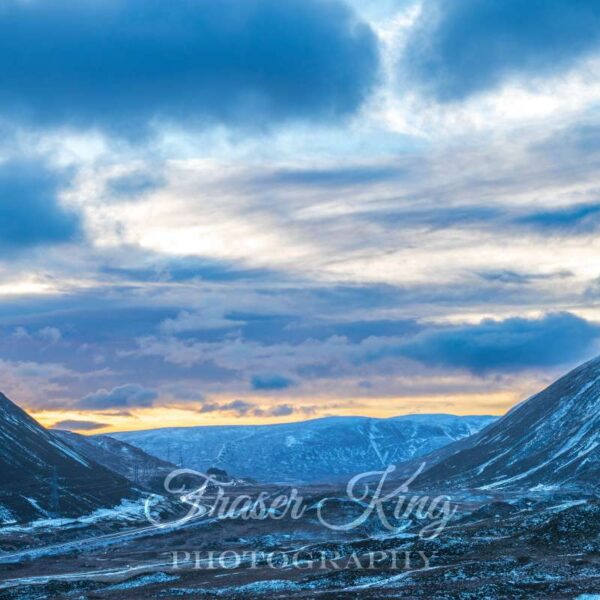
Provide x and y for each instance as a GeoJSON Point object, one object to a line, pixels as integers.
{"type": "Point", "coordinates": [542, 546]}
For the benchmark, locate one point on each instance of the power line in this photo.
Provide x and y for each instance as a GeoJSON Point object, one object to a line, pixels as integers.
{"type": "Point", "coordinates": [54, 493]}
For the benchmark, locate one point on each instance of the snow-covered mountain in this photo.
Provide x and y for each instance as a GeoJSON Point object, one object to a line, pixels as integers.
{"type": "Point", "coordinates": [551, 440]}
{"type": "Point", "coordinates": [123, 458]}
{"type": "Point", "coordinates": [308, 451]}
{"type": "Point", "coordinates": [40, 475]}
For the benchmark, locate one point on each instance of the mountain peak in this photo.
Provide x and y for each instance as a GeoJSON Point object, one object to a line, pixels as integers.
{"type": "Point", "coordinates": [549, 440]}
{"type": "Point", "coordinates": [33, 461]}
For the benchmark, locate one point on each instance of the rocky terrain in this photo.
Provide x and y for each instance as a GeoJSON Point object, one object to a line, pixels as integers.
{"type": "Point", "coordinates": [543, 547]}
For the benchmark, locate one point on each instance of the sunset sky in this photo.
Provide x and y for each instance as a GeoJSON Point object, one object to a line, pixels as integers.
{"type": "Point", "coordinates": [258, 211]}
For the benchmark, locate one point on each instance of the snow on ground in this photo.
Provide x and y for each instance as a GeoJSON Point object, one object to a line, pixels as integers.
{"type": "Point", "coordinates": [566, 505]}
{"type": "Point", "coordinates": [127, 510]}
{"type": "Point", "coordinates": [35, 505]}
{"type": "Point", "coordinates": [142, 581]}
{"type": "Point", "coordinates": [544, 488]}
{"type": "Point", "coordinates": [6, 517]}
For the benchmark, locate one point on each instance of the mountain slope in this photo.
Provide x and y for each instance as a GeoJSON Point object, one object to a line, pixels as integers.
{"type": "Point", "coordinates": [317, 450]}
{"type": "Point", "coordinates": [35, 466]}
{"type": "Point", "coordinates": [551, 440]}
{"type": "Point", "coordinates": [118, 456]}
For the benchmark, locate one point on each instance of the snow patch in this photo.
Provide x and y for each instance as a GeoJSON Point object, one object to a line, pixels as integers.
{"type": "Point", "coordinates": [127, 510]}
{"type": "Point", "coordinates": [6, 517]}
{"type": "Point", "coordinates": [142, 581]}
{"type": "Point", "coordinates": [37, 507]}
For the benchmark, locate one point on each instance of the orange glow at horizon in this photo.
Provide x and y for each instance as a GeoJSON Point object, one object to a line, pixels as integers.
{"type": "Point", "coordinates": [496, 403]}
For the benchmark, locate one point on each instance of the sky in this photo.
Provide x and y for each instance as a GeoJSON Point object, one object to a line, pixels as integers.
{"type": "Point", "coordinates": [260, 211]}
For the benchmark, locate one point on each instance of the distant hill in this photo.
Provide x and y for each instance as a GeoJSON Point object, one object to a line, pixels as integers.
{"type": "Point", "coordinates": [308, 451]}
{"type": "Point", "coordinates": [136, 465]}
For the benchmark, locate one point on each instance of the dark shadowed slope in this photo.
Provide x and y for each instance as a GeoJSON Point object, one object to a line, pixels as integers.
{"type": "Point", "coordinates": [40, 475]}
{"type": "Point", "coordinates": [551, 440]}
{"type": "Point", "coordinates": [123, 458]}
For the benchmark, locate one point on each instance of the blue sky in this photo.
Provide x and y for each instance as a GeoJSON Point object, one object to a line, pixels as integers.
{"type": "Point", "coordinates": [257, 211]}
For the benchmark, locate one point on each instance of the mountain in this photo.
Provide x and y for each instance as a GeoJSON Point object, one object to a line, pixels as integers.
{"type": "Point", "coordinates": [41, 476]}
{"type": "Point", "coordinates": [136, 465]}
{"type": "Point", "coordinates": [550, 441]}
{"type": "Point", "coordinates": [308, 451]}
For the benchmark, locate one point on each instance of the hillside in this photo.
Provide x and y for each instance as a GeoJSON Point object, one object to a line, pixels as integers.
{"type": "Point", "coordinates": [41, 476]}
{"type": "Point", "coordinates": [308, 451]}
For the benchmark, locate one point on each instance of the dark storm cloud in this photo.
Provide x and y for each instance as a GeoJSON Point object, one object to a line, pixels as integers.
{"type": "Point", "coordinates": [513, 344]}
{"type": "Point", "coordinates": [462, 47]}
{"type": "Point", "coordinates": [271, 382]}
{"type": "Point", "coordinates": [30, 210]}
{"type": "Point", "coordinates": [120, 65]}
{"type": "Point", "coordinates": [124, 396]}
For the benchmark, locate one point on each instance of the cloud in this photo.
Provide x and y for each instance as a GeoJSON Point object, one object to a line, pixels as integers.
{"type": "Point", "coordinates": [50, 334]}
{"type": "Point", "coordinates": [34, 384]}
{"type": "Point", "coordinates": [338, 177]}
{"type": "Point", "coordinates": [134, 185]}
{"type": "Point", "coordinates": [239, 407]}
{"type": "Point", "coordinates": [282, 410]}
{"type": "Point", "coordinates": [181, 269]}
{"type": "Point", "coordinates": [78, 425]}
{"type": "Point", "coordinates": [572, 143]}
{"type": "Point", "coordinates": [271, 382]}
{"type": "Point", "coordinates": [242, 408]}
{"type": "Point", "coordinates": [509, 277]}
{"type": "Point", "coordinates": [30, 210]}
{"type": "Point", "coordinates": [211, 317]}
{"type": "Point", "coordinates": [20, 333]}
{"type": "Point", "coordinates": [34, 370]}
{"type": "Point", "coordinates": [181, 391]}
{"type": "Point", "coordinates": [509, 345]}
{"type": "Point", "coordinates": [463, 47]}
{"type": "Point", "coordinates": [124, 396]}
{"type": "Point", "coordinates": [125, 64]}
{"type": "Point", "coordinates": [575, 219]}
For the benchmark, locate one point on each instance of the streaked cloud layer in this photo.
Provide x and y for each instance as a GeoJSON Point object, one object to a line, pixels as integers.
{"type": "Point", "coordinates": [259, 211]}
